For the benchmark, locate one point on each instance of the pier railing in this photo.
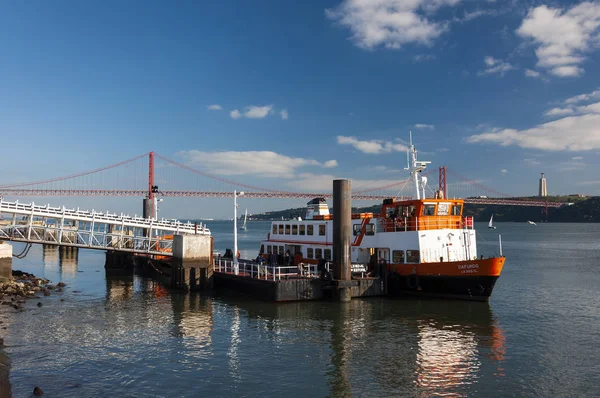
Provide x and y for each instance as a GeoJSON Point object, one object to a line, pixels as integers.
{"type": "Point", "coordinates": [78, 228]}
{"type": "Point", "coordinates": [266, 272]}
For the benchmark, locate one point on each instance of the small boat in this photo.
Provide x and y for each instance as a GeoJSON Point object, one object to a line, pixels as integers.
{"type": "Point", "coordinates": [243, 227]}
{"type": "Point", "coordinates": [490, 225]}
{"type": "Point", "coordinates": [531, 222]}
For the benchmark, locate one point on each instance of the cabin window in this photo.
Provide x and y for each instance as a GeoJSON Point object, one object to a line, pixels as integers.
{"type": "Point", "coordinates": [398, 256]}
{"type": "Point", "coordinates": [428, 210]}
{"type": "Point", "coordinates": [280, 229]}
{"type": "Point", "coordinates": [328, 254]}
{"type": "Point", "coordinates": [281, 250]}
{"type": "Point", "coordinates": [456, 210]}
{"type": "Point", "coordinates": [370, 229]}
{"type": "Point", "coordinates": [309, 229]}
{"type": "Point", "coordinates": [412, 211]}
{"type": "Point", "coordinates": [443, 209]}
{"type": "Point", "coordinates": [274, 229]}
{"type": "Point", "coordinates": [357, 229]}
{"type": "Point", "coordinates": [262, 249]}
{"type": "Point", "coordinates": [287, 229]}
{"type": "Point", "coordinates": [309, 252]}
{"type": "Point", "coordinates": [322, 230]}
{"type": "Point", "coordinates": [294, 229]}
{"type": "Point", "coordinates": [412, 256]}
{"type": "Point", "coordinates": [302, 229]}
{"type": "Point", "coordinates": [268, 249]}
{"type": "Point", "coordinates": [318, 254]}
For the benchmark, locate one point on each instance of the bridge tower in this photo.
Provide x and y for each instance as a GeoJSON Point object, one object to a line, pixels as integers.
{"type": "Point", "coordinates": [442, 186]}
{"type": "Point", "coordinates": [149, 208]}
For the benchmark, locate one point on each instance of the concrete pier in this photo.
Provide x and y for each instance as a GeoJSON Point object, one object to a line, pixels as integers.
{"type": "Point", "coordinates": [148, 208]}
{"type": "Point", "coordinates": [192, 264]}
{"type": "Point", "coordinates": [342, 222]}
{"type": "Point", "coordinates": [5, 262]}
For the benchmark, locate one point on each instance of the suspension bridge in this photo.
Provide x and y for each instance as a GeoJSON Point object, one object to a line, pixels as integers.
{"type": "Point", "coordinates": [151, 175]}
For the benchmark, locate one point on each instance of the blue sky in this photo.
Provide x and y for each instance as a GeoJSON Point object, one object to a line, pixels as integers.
{"type": "Point", "coordinates": [290, 95]}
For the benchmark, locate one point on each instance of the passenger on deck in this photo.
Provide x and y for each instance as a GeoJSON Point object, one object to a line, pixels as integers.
{"type": "Point", "coordinates": [288, 257]}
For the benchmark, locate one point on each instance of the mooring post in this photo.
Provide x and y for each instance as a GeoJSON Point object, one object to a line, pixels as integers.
{"type": "Point", "coordinates": [5, 262]}
{"type": "Point", "coordinates": [342, 220]}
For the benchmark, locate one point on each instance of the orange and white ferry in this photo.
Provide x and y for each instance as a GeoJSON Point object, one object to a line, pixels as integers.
{"type": "Point", "coordinates": [426, 244]}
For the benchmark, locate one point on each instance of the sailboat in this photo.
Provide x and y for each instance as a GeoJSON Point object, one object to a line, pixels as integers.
{"type": "Point", "coordinates": [243, 227]}
{"type": "Point", "coordinates": [490, 225]}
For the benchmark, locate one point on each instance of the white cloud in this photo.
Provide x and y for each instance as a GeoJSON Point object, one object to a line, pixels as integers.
{"type": "Point", "coordinates": [583, 97]}
{"type": "Point", "coordinates": [262, 163]}
{"type": "Point", "coordinates": [390, 23]}
{"type": "Point", "coordinates": [531, 73]}
{"type": "Point", "coordinates": [577, 158]}
{"type": "Point", "coordinates": [571, 133]}
{"type": "Point", "coordinates": [562, 37]}
{"type": "Point", "coordinates": [424, 126]}
{"type": "Point", "coordinates": [504, 171]}
{"type": "Point", "coordinates": [214, 107]}
{"type": "Point", "coordinates": [559, 111]}
{"type": "Point", "coordinates": [372, 146]}
{"type": "Point", "coordinates": [495, 66]}
{"type": "Point", "coordinates": [596, 182]}
{"type": "Point", "coordinates": [257, 112]}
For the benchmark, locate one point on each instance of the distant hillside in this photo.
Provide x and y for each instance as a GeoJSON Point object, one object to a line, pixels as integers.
{"type": "Point", "coordinates": [582, 210]}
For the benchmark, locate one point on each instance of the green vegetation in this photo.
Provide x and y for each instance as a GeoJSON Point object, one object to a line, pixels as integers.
{"type": "Point", "coordinates": [583, 209]}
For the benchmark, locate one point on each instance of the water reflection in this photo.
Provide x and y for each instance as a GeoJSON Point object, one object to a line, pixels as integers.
{"type": "Point", "coordinates": [451, 348]}
{"type": "Point", "coordinates": [50, 257]}
{"type": "Point", "coordinates": [68, 258]}
{"type": "Point", "coordinates": [192, 321]}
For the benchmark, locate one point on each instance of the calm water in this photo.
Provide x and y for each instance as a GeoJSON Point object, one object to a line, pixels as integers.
{"type": "Point", "coordinates": [128, 337]}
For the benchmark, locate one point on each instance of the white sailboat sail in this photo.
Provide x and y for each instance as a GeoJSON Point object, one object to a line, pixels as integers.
{"type": "Point", "coordinates": [243, 227]}
{"type": "Point", "coordinates": [491, 225]}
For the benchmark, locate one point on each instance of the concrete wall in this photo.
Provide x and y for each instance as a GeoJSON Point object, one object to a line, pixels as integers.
{"type": "Point", "coordinates": [5, 262]}
{"type": "Point", "coordinates": [195, 249]}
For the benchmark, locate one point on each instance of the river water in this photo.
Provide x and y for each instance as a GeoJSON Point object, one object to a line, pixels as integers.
{"type": "Point", "coordinates": [128, 337]}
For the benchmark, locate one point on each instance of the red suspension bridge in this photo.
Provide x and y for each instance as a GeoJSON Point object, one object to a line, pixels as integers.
{"type": "Point", "coordinates": [150, 175]}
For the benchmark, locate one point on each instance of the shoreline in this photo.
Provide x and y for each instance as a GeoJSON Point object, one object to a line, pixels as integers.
{"type": "Point", "coordinates": [13, 294]}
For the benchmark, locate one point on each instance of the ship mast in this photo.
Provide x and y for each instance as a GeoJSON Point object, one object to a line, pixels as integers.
{"type": "Point", "coordinates": [416, 167]}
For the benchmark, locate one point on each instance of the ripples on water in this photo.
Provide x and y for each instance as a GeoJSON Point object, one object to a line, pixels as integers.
{"type": "Point", "coordinates": [128, 336]}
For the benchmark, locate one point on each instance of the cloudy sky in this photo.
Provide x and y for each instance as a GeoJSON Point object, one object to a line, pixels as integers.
{"type": "Point", "coordinates": [290, 95]}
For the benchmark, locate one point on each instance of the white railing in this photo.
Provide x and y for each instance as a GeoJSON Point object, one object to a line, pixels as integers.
{"type": "Point", "coordinates": [92, 230]}
{"type": "Point", "coordinates": [267, 272]}
{"type": "Point", "coordinates": [406, 224]}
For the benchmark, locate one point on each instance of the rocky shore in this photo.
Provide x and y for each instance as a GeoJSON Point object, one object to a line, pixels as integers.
{"type": "Point", "coordinates": [13, 295]}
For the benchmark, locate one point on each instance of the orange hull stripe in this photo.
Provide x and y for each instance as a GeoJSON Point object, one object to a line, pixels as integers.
{"type": "Point", "coordinates": [485, 267]}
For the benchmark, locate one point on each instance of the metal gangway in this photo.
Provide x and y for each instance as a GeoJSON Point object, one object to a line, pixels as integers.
{"type": "Point", "coordinates": [48, 225]}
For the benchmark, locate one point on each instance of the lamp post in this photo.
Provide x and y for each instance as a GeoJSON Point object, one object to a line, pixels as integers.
{"type": "Point", "coordinates": [156, 200]}
{"type": "Point", "coordinates": [236, 266]}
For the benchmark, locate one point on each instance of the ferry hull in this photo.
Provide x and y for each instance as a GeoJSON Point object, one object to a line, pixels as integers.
{"type": "Point", "coordinates": [469, 280]}
{"type": "Point", "coordinates": [477, 288]}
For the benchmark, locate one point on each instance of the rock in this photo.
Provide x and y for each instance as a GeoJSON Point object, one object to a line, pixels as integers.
{"type": "Point", "coordinates": [61, 284]}
{"type": "Point", "coordinates": [1, 342]}
{"type": "Point", "coordinates": [60, 289]}
{"type": "Point", "coordinates": [37, 391]}
{"type": "Point", "coordinates": [46, 292]}
{"type": "Point", "coordinates": [39, 304]}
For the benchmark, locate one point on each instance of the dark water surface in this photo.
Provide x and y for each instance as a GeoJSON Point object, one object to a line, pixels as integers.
{"type": "Point", "coordinates": [128, 337]}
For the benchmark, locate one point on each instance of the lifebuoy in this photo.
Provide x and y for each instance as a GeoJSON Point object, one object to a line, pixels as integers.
{"type": "Point", "coordinates": [412, 281]}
